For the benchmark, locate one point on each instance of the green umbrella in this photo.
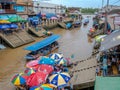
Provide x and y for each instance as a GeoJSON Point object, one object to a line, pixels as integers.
{"type": "Point", "coordinates": [16, 19]}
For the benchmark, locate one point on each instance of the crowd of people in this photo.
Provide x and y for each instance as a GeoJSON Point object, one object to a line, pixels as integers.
{"type": "Point", "coordinates": [110, 62]}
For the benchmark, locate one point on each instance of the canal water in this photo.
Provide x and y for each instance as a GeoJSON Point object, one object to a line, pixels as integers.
{"type": "Point", "coordinates": [72, 42]}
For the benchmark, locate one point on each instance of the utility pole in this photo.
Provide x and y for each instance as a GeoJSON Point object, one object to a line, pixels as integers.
{"type": "Point", "coordinates": [102, 3]}
{"type": "Point", "coordinates": [106, 16]}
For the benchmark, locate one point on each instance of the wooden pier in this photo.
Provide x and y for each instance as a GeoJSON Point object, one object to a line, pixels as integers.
{"type": "Point", "coordinates": [84, 73]}
{"type": "Point", "coordinates": [17, 39]}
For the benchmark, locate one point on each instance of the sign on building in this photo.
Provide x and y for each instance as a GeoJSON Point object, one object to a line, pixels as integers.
{"type": "Point", "coordinates": [117, 20]}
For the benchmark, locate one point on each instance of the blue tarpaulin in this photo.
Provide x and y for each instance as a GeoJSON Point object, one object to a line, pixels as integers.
{"type": "Point", "coordinates": [69, 25]}
{"type": "Point", "coordinates": [42, 43]}
{"type": "Point", "coordinates": [49, 15]}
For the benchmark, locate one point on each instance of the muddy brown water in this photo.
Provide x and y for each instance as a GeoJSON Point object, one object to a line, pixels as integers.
{"type": "Point", "coordinates": [73, 41]}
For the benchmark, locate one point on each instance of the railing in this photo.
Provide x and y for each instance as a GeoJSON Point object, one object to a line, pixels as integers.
{"type": "Point", "coordinates": [6, 11]}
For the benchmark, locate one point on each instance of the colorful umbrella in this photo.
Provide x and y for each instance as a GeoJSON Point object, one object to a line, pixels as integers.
{"type": "Point", "coordinates": [62, 61]}
{"type": "Point", "coordinates": [42, 87]}
{"type": "Point", "coordinates": [46, 60]}
{"type": "Point", "coordinates": [29, 71]}
{"type": "Point", "coordinates": [47, 85]}
{"type": "Point", "coordinates": [37, 78]}
{"type": "Point", "coordinates": [99, 38]}
{"type": "Point", "coordinates": [45, 68]}
{"type": "Point", "coordinates": [4, 26]}
{"type": "Point", "coordinates": [54, 18]}
{"type": "Point", "coordinates": [32, 63]}
{"type": "Point", "coordinates": [4, 22]}
{"type": "Point", "coordinates": [18, 80]}
{"type": "Point", "coordinates": [36, 88]}
{"type": "Point", "coordinates": [13, 26]}
{"type": "Point", "coordinates": [56, 56]}
{"type": "Point", "coordinates": [59, 79]}
{"type": "Point", "coordinates": [16, 19]}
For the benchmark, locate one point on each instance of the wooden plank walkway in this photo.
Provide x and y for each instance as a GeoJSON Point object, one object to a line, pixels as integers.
{"type": "Point", "coordinates": [84, 73]}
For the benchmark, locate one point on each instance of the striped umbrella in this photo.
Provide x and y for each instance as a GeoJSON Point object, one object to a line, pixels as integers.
{"type": "Point", "coordinates": [42, 87]}
{"type": "Point", "coordinates": [36, 88]}
{"type": "Point", "coordinates": [29, 71]}
{"type": "Point", "coordinates": [56, 56]}
{"type": "Point", "coordinates": [59, 79]}
{"type": "Point", "coordinates": [18, 80]}
{"type": "Point", "coordinates": [62, 61]}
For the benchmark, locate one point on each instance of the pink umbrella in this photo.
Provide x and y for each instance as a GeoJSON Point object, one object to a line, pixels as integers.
{"type": "Point", "coordinates": [36, 79]}
{"type": "Point", "coordinates": [32, 63]}
{"type": "Point", "coordinates": [45, 68]}
{"type": "Point", "coordinates": [54, 18]}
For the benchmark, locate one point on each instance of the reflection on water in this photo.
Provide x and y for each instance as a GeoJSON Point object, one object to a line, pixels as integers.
{"type": "Point", "coordinates": [71, 42]}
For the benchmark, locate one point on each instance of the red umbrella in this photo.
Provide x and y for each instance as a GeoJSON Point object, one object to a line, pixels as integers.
{"type": "Point", "coordinates": [45, 68]}
{"type": "Point", "coordinates": [37, 78]}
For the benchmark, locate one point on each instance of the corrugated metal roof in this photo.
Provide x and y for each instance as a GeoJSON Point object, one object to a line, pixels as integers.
{"type": "Point", "coordinates": [107, 83]}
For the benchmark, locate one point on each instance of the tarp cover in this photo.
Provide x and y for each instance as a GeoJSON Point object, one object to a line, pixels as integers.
{"type": "Point", "coordinates": [110, 41]}
{"type": "Point", "coordinates": [42, 43]}
{"type": "Point", "coordinates": [107, 83]}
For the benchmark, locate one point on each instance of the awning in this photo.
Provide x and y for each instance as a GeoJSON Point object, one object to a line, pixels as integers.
{"type": "Point", "coordinates": [110, 41]}
{"type": "Point", "coordinates": [42, 43]}
{"type": "Point", "coordinates": [107, 83]}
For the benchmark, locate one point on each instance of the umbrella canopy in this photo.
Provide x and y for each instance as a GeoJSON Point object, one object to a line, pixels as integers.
{"type": "Point", "coordinates": [54, 18]}
{"type": "Point", "coordinates": [29, 71]}
{"type": "Point", "coordinates": [56, 56]}
{"type": "Point", "coordinates": [4, 21]}
{"type": "Point", "coordinates": [18, 80]}
{"type": "Point", "coordinates": [32, 63]}
{"type": "Point", "coordinates": [37, 78]}
{"type": "Point", "coordinates": [4, 26]}
{"type": "Point", "coordinates": [16, 19]}
{"type": "Point", "coordinates": [59, 79]}
{"type": "Point", "coordinates": [45, 68]}
{"type": "Point", "coordinates": [47, 85]}
{"type": "Point", "coordinates": [46, 60]}
{"type": "Point", "coordinates": [62, 61]}
{"type": "Point", "coordinates": [13, 26]}
{"type": "Point", "coordinates": [99, 38]}
{"type": "Point", "coordinates": [36, 88]}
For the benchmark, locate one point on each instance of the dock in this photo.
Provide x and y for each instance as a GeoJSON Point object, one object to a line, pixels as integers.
{"type": "Point", "coordinates": [62, 24]}
{"type": "Point", "coordinates": [17, 39]}
{"type": "Point", "coordinates": [84, 74]}
{"type": "Point", "coordinates": [38, 33]}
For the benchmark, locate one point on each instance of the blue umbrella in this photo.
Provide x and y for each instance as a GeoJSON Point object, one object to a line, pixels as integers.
{"type": "Point", "coordinates": [59, 79]}
{"type": "Point", "coordinates": [13, 26]}
{"type": "Point", "coordinates": [46, 60]}
{"type": "Point", "coordinates": [4, 26]}
{"type": "Point", "coordinates": [56, 56]}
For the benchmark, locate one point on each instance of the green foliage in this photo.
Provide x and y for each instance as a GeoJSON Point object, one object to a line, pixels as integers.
{"type": "Point", "coordinates": [89, 10]}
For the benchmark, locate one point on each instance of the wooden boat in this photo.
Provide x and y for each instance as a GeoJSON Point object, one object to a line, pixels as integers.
{"type": "Point", "coordinates": [43, 47]}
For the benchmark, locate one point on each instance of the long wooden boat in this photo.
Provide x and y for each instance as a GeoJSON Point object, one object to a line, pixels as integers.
{"type": "Point", "coordinates": [43, 47]}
